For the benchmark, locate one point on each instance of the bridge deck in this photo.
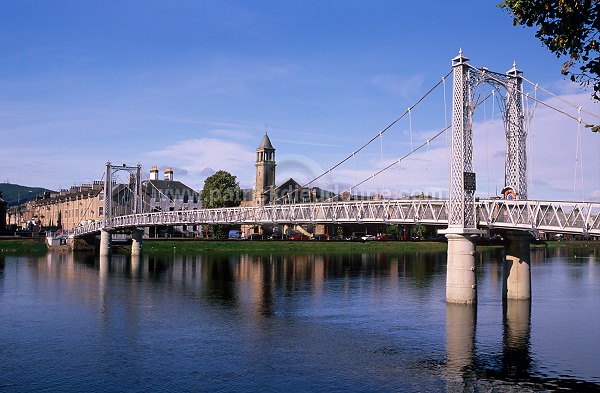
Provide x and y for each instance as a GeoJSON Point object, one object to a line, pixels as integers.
{"type": "Point", "coordinates": [530, 215]}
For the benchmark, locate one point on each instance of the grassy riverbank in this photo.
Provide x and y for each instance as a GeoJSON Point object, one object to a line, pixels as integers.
{"type": "Point", "coordinates": [21, 246]}
{"type": "Point", "coordinates": [151, 246]}
{"type": "Point", "coordinates": [27, 246]}
{"type": "Point", "coordinates": [574, 244]}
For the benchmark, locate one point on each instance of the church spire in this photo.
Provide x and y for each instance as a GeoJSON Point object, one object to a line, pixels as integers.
{"type": "Point", "coordinates": [265, 143]}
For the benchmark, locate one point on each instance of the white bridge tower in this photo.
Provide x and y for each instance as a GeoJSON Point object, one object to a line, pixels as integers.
{"type": "Point", "coordinates": [461, 284]}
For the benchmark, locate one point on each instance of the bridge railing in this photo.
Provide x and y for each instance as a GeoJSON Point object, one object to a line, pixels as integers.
{"type": "Point", "coordinates": [426, 211]}
{"type": "Point", "coordinates": [565, 217]}
{"type": "Point", "coordinates": [552, 216]}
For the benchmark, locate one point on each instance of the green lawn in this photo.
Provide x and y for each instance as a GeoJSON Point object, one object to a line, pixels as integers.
{"type": "Point", "coordinates": [21, 246]}
{"type": "Point", "coordinates": [282, 246]}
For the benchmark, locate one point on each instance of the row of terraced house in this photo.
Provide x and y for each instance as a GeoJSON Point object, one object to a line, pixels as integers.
{"type": "Point", "coordinates": [69, 208]}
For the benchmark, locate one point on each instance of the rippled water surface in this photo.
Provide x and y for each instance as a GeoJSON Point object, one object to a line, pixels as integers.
{"type": "Point", "coordinates": [282, 322]}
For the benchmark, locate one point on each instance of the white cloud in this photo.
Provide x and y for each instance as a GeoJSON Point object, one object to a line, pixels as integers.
{"type": "Point", "coordinates": [195, 155]}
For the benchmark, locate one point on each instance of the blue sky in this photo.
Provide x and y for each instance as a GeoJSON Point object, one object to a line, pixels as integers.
{"type": "Point", "coordinates": [194, 84]}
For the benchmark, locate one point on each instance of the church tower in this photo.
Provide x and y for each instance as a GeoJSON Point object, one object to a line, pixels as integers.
{"type": "Point", "coordinates": [265, 171]}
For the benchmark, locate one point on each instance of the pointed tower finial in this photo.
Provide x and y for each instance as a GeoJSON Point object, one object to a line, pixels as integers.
{"type": "Point", "coordinates": [460, 59]}
{"type": "Point", "coordinates": [514, 71]}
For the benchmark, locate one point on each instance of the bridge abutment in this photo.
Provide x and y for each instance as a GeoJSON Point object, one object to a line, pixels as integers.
{"type": "Point", "coordinates": [461, 280]}
{"type": "Point", "coordinates": [136, 241]}
{"type": "Point", "coordinates": [85, 243]}
{"type": "Point", "coordinates": [105, 242]}
{"type": "Point", "coordinates": [517, 273]}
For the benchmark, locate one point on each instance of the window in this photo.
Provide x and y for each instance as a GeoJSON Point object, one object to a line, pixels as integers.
{"type": "Point", "coordinates": [100, 211]}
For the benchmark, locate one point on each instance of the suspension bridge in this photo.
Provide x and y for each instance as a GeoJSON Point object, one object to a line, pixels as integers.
{"type": "Point", "coordinates": [461, 214]}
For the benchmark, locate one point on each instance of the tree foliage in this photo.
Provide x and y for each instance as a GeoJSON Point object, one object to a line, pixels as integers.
{"type": "Point", "coordinates": [221, 190]}
{"type": "Point", "coordinates": [568, 28]}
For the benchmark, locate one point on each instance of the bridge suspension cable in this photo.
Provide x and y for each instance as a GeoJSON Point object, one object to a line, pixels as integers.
{"type": "Point", "coordinates": [378, 135]}
{"type": "Point", "coordinates": [426, 143]}
{"type": "Point", "coordinates": [531, 122]}
{"type": "Point", "coordinates": [580, 109]}
{"type": "Point", "coordinates": [578, 170]}
{"type": "Point", "coordinates": [535, 99]}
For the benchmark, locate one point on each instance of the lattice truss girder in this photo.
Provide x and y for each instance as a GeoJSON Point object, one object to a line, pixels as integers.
{"type": "Point", "coordinates": [560, 217]}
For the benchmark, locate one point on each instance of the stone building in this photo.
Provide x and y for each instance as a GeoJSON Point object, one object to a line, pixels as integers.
{"type": "Point", "coordinates": [65, 209]}
{"type": "Point", "coordinates": [3, 205]}
{"type": "Point", "coordinates": [170, 195]}
{"type": "Point", "coordinates": [78, 205]}
{"type": "Point", "coordinates": [267, 192]}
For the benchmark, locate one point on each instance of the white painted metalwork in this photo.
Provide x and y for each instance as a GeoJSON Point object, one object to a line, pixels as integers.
{"type": "Point", "coordinates": [515, 166]}
{"type": "Point", "coordinates": [462, 177]}
{"type": "Point", "coordinates": [462, 199]}
{"type": "Point", "coordinates": [135, 181]}
{"type": "Point", "coordinates": [550, 216]}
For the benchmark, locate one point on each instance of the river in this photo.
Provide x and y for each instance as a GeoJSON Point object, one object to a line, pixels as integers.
{"type": "Point", "coordinates": [286, 322]}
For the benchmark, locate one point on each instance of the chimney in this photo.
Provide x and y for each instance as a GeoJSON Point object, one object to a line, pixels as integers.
{"type": "Point", "coordinates": [153, 173]}
{"type": "Point", "coordinates": [168, 174]}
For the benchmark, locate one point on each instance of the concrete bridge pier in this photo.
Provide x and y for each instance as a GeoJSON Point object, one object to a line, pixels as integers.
{"type": "Point", "coordinates": [105, 242]}
{"type": "Point", "coordinates": [136, 241]}
{"type": "Point", "coordinates": [461, 281]}
{"type": "Point", "coordinates": [516, 280]}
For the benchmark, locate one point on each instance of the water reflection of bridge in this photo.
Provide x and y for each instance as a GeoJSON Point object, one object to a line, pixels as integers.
{"type": "Point", "coordinates": [257, 288]}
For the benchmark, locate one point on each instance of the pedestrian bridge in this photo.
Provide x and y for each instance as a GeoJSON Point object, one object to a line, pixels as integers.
{"type": "Point", "coordinates": [529, 215]}
{"type": "Point", "coordinates": [461, 216]}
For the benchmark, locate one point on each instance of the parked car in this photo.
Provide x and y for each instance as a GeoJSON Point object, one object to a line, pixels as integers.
{"type": "Point", "coordinates": [277, 236]}
{"type": "Point", "coordinates": [368, 238]}
{"type": "Point", "coordinates": [299, 236]}
{"type": "Point", "coordinates": [354, 238]}
{"type": "Point", "coordinates": [235, 234]}
{"type": "Point", "coordinates": [320, 237]}
{"type": "Point", "coordinates": [436, 238]}
{"type": "Point", "coordinates": [382, 237]}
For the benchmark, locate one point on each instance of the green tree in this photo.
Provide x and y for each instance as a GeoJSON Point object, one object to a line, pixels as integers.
{"type": "Point", "coordinates": [220, 190]}
{"type": "Point", "coordinates": [568, 28]}
{"type": "Point", "coordinates": [418, 231]}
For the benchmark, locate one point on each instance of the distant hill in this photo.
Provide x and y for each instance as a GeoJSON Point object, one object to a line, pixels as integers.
{"type": "Point", "coordinates": [15, 194]}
